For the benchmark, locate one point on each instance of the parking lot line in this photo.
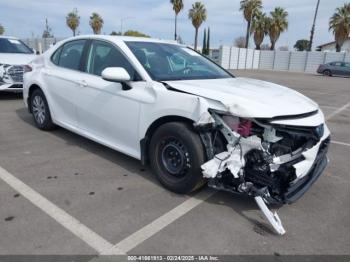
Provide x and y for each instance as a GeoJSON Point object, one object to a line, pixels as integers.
{"type": "Point", "coordinates": [340, 143]}
{"type": "Point", "coordinates": [102, 246]}
{"type": "Point", "coordinates": [157, 225]}
{"type": "Point", "coordinates": [339, 110]}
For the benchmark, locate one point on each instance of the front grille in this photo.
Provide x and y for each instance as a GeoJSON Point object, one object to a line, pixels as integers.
{"type": "Point", "coordinates": [297, 190]}
{"type": "Point", "coordinates": [16, 73]}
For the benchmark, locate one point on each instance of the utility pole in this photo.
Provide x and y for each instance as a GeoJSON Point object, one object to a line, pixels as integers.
{"type": "Point", "coordinates": [313, 27]}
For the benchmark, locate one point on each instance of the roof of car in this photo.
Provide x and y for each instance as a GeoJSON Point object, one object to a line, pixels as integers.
{"type": "Point", "coordinates": [124, 38]}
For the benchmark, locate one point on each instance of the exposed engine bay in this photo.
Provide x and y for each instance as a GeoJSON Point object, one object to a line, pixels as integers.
{"type": "Point", "coordinates": [273, 163]}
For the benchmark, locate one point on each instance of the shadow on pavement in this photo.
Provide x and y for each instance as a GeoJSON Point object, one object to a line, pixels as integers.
{"type": "Point", "coordinates": [10, 96]}
{"type": "Point", "coordinates": [239, 204]}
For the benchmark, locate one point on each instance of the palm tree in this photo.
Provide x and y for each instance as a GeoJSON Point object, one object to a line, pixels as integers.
{"type": "Point", "coordinates": [178, 5]}
{"type": "Point", "coordinates": [277, 24]}
{"type": "Point", "coordinates": [198, 14]}
{"type": "Point", "coordinates": [313, 27]}
{"type": "Point", "coordinates": [73, 20]}
{"type": "Point", "coordinates": [259, 28]}
{"type": "Point", "coordinates": [249, 8]}
{"type": "Point", "coordinates": [2, 29]}
{"type": "Point", "coordinates": [96, 23]}
{"type": "Point", "coordinates": [340, 25]}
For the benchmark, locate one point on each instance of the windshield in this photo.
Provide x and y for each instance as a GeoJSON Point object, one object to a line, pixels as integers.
{"type": "Point", "coordinates": [14, 46]}
{"type": "Point", "coordinates": [166, 62]}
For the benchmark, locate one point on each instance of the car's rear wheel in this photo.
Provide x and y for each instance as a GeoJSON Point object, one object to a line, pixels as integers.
{"type": "Point", "coordinates": [327, 73]}
{"type": "Point", "coordinates": [176, 153]}
{"type": "Point", "coordinates": [40, 110]}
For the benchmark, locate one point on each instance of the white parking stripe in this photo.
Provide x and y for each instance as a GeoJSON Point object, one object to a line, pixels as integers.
{"type": "Point", "coordinates": [154, 227]}
{"type": "Point", "coordinates": [340, 143]}
{"type": "Point", "coordinates": [95, 241]}
{"type": "Point", "coordinates": [339, 110]}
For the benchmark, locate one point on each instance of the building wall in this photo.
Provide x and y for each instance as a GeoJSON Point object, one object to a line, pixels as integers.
{"type": "Point", "coordinates": [331, 47]}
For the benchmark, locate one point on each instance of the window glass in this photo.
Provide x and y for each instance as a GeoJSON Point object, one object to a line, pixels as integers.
{"type": "Point", "coordinates": [14, 46]}
{"type": "Point", "coordinates": [337, 64]}
{"type": "Point", "coordinates": [56, 56]}
{"type": "Point", "coordinates": [71, 54]}
{"type": "Point", "coordinates": [174, 62]}
{"type": "Point", "coordinates": [103, 55]}
{"type": "Point", "coordinates": [347, 65]}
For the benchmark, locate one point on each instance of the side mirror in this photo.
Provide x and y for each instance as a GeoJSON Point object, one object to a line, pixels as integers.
{"type": "Point", "coordinates": [115, 74]}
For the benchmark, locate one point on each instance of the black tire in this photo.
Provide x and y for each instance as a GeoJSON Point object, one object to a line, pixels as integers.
{"type": "Point", "coordinates": [41, 111]}
{"type": "Point", "coordinates": [327, 72]}
{"type": "Point", "coordinates": [177, 137]}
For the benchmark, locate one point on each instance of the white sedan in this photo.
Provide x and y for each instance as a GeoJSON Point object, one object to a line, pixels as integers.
{"type": "Point", "coordinates": [191, 120]}
{"type": "Point", "coordinates": [14, 58]}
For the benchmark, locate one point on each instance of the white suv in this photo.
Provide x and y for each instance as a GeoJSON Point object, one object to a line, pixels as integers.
{"type": "Point", "coordinates": [14, 58]}
{"type": "Point", "coordinates": [191, 120]}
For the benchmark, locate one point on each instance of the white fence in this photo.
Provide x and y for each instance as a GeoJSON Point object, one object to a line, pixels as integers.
{"type": "Point", "coordinates": [241, 58]}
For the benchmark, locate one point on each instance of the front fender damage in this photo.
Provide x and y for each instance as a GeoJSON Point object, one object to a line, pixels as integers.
{"type": "Point", "coordinates": [260, 160]}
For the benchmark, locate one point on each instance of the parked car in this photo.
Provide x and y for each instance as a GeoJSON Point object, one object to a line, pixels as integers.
{"type": "Point", "coordinates": [14, 58]}
{"type": "Point", "coordinates": [334, 68]}
{"type": "Point", "coordinates": [191, 120]}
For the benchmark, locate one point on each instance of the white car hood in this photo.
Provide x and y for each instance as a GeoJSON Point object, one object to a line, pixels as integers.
{"type": "Point", "coordinates": [250, 98]}
{"type": "Point", "coordinates": [16, 59]}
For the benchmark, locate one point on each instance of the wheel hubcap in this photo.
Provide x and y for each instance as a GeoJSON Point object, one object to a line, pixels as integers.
{"type": "Point", "coordinates": [39, 110]}
{"type": "Point", "coordinates": [175, 158]}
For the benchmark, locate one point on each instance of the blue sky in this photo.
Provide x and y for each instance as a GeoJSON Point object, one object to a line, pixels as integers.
{"type": "Point", "coordinates": [24, 18]}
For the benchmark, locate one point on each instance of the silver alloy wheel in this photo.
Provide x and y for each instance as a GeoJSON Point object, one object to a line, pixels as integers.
{"type": "Point", "coordinates": [39, 110]}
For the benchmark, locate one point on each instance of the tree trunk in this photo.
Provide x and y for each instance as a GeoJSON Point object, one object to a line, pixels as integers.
{"type": "Point", "coordinates": [196, 39]}
{"type": "Point", "coordinates": [175, 27]}
{"type": "Point", "coordinates": [247, 35]}
{"type": "Point", "coordinates": [258, 47]}
{"type": "Point", "coordinates": [73, 32]}
{"type": "Point", "coordinates": [338, 47]}
{"type": "Point", "coordinates": [273, 45]}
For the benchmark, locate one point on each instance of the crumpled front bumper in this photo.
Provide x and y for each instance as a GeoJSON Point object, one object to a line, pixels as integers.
{"type": "Point", "coordinates": [299, 188]}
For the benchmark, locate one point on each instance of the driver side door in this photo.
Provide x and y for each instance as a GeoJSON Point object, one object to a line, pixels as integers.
{"type": "Point", "coordinates": [106, 111]}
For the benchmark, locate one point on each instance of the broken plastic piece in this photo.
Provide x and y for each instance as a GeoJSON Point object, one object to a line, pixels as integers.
{"type": "Point", "coordinates": [226, 160]}
{"type": "Point", "coordinates": [273, 218]}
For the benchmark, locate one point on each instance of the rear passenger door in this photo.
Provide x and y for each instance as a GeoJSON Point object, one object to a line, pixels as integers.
{"type": "Point", "coordinates": [62, 78]}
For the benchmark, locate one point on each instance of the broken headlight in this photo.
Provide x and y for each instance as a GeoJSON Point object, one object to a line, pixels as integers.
{"type": "Point", "coordinates": [239, 125]}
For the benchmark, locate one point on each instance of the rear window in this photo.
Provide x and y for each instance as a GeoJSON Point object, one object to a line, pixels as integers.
{"type": "Point", "coordinates": [71, 54]}
{"type": "Point", "coordinates": [14, 46]}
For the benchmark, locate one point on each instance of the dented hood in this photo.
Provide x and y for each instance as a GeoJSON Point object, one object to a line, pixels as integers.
{"type": "Point", "coordinates": [247, 97]}
{"type": "Point", "coordinates": [16, 59]}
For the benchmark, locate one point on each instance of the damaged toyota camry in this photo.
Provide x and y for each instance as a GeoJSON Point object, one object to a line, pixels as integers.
{"type": "Point", "coordinates": [191, 120]}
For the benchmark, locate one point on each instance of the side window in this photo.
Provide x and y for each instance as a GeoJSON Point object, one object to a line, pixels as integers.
{"type": "Point", "coordinates": [338, 64]}
{"type": "Point", "coordinates": [347, 65]}
{"type": "Point", "coordinates": [56, 56]}
{"type": "Point", "coordinates": [71, 54]}
{"type": "Point", "coordinates": [103, 55]}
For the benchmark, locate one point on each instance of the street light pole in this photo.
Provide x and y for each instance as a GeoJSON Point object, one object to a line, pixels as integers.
{"type": "Point", "coordinates": [313, 27]}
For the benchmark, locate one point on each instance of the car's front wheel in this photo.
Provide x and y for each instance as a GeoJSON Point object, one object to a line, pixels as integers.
{"type": "Point", "coordinates": [40, 110]}
{"type": "Point", "coordinates": [176, 153]}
